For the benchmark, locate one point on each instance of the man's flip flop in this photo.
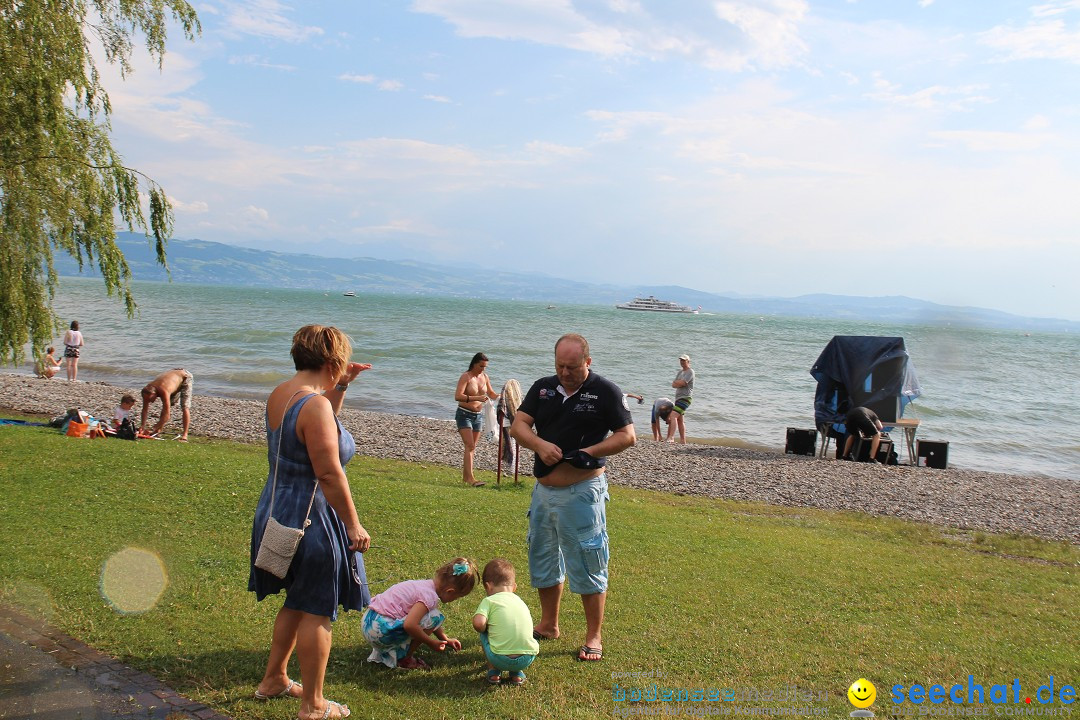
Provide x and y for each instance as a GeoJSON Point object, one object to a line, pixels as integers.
{"type": "Point", "coordinates": [541, 636]}
{"type": "Point", "coordinates": [585, 651]}
{"type": "Point", "coordinates": [283, 694]}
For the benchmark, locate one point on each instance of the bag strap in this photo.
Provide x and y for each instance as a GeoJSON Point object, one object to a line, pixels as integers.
{"type": "Point", "coordinates": [277, 461]}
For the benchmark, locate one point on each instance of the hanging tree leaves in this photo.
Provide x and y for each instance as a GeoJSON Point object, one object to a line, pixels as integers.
{"type": "Point", "coordinates": [62, 185]}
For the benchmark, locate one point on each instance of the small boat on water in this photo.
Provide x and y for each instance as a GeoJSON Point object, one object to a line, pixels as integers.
{"type": "Point", "coordinates": [349, 293]}
{"type": "Point", "coordinates": [652, 304]}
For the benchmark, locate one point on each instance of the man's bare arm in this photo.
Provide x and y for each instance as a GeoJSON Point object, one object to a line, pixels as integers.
{"type": "Point", "coordinates": [522, 431]}
{"type": "Point", "coordinates": [614, 443]}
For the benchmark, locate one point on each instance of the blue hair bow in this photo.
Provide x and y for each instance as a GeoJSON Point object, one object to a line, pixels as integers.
{"type": "Point", "coordinates": [461, 568]}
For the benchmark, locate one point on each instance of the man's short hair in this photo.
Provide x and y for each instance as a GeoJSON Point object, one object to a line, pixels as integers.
{"type": "Point", "coordinates": [499, 572]}
{"type": "Point", "coordinates": [578, 339]}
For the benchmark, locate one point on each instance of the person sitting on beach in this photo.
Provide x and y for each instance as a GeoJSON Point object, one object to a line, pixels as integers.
{"type": "Point", "coordinates": [48, 365]}
{"type": "Point", "coordinates": [661, 410]}
{"type": "Point", "coordinates": [505, 625]}
{"type": "Point", "coordinates": [865, 422]}
{"type": "Point", "coordinates": [123, 410]}
{"type": "Point", "coordinates": [406, 615]}
{"type": "Point", "coordinates": [473, 390]}
{"type": "Point", "coordinates": [170, 387]}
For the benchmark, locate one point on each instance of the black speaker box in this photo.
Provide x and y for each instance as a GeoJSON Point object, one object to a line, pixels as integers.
{"type": "Point", "coordinates": [933, 453]}
{"type": "Point", "coordinates": [801, 442]}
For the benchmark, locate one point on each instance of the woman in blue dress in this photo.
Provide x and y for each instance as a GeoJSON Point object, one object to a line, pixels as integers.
{"type": "Point", "coordinates": [309, 448]}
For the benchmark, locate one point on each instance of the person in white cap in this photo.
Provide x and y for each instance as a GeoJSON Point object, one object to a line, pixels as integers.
{"type": "Point", "coordinates": [684, 390]}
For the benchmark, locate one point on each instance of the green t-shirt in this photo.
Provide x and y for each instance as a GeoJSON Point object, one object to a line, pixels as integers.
{"type": "Point", "coordinates": [510, 625]}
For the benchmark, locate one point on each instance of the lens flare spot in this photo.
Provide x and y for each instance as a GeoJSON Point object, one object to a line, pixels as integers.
{"type": "Point", "coordinates": [133, 580]}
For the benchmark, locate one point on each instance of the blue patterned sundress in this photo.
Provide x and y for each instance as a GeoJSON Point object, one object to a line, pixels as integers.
{"type": "Point", "coordinates": [324, 574]}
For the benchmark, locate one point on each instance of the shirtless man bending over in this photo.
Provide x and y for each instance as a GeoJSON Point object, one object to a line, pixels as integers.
{"type": "Point", "coordinates": [473, 388]}
{"type": "Point", "coordinates": [170, 387]}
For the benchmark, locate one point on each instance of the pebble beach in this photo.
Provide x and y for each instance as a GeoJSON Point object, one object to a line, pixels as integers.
{"type": "Point", "coordinates": [966, 499]}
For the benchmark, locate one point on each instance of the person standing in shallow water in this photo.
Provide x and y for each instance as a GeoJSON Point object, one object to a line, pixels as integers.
{"type": "Point", "coordinates": [473, 389]}
{"type": "Point", "coordinates": [73, 342]}
{"type": "Point", "coordinates": [684, 391]}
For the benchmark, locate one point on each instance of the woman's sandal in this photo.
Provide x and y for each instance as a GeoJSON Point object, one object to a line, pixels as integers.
{"type": "Point", "coordinates": [342, 711]}
{"type": "Point", "coordinates": [517, 678]}
{"type": "Point", "coordinates": [413, 663]}
{"type": "Point", "coordinates": [494, 677]}
{"type": "Point", "coordinates": [286, 693]}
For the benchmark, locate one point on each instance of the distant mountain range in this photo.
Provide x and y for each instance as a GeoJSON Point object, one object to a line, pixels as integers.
{"type": "Point", "coordinates": [210, 263]}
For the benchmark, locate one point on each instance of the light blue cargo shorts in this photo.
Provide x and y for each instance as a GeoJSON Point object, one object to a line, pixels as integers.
{"type": "Point", "coordinates": [568, 536]}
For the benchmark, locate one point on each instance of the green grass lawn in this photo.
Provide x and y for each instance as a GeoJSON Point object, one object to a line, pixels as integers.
{"type": "Point", "coordinates": [704, 593]}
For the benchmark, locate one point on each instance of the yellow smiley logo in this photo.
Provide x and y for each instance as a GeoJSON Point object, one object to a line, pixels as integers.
{"type": "Point", "coordinates": [862, 693]}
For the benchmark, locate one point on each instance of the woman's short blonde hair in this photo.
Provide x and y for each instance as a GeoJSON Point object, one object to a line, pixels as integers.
{"type": "Point", "coordinates": [317, 346]}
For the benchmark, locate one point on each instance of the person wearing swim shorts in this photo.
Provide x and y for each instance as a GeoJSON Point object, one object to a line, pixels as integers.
{"type": "Point", "coordinates": [171, 387]}
{"type": "Point", "coordinates": [473, 390]}
{"type": "Point", "coordinates": [573, 413]}
{"type": "Point", "coordinates": [684, 389]}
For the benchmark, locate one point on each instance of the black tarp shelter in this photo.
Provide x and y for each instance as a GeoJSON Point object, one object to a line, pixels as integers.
{"type": "Point", "coordinates": [863, 370]}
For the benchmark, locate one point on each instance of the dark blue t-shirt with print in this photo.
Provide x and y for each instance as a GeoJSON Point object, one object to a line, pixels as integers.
{"type": "Point", "coordinates": [582, 420]}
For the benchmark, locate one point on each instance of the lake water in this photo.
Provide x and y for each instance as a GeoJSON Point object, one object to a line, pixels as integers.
{"type": "Point", "coordinates": [1004, 400]}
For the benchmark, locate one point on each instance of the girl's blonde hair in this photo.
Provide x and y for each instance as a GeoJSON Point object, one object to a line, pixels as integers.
{"type": "Point", "coordinates": [460, 574]}
{"type": "Point", "coordinates": [318, 346]}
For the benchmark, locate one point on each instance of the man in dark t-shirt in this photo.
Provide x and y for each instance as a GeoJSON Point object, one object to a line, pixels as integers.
{"type": "Point", "coordinates": [865, 422]}
{"type": "Point", "coordinates": [573, 411]}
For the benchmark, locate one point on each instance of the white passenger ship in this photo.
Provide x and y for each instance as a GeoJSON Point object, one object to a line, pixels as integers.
{"type": "Point", "coordinates": [651, 304]}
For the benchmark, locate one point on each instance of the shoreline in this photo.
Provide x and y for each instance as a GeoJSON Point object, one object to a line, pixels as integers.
{"type": "Point", "coordinates": [1038, 506]}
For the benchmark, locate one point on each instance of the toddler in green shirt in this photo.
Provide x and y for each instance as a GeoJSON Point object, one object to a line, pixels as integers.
{"type": "Point", "coordinates": [505, 625]}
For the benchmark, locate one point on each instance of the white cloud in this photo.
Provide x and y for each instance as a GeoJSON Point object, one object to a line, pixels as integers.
{"type": "Point", "coordinates": [197, 207]}
{"type": "Point", "coordinates": [1048, 36]}
{"type": "Point", "coordinates": [1037, 122]}
{"type": "Point", "coordinates": [437, 98]}
{"type": "Point", "coordinates": [738, 34]}
{"type": "Point", "coordinates": [259, 61]}
{"type": "Point", "coordinates": [770, 31]}
{"type": "Point", "coordinates": [266, 18]}
{"type": "Point", "coordinates": [548, 22]}
{"type": "Point", "coordinates": [390, 85]}
{"type": "Point", "coordinates": [934, 97]}
{"type": "Point", "coordinates": [256, 214]}
{"type": "Point", "coordinates": [547, 151]}
{"type": "Point", "coordinates": [991, 141]}
{"type": "Point", "coordinates": [350, 77]}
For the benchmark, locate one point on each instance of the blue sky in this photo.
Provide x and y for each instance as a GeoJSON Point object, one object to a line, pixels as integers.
{"type": "Point", "coordinates": [773, 147]}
